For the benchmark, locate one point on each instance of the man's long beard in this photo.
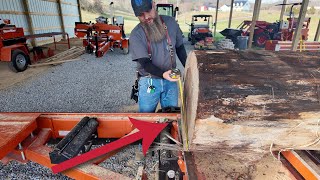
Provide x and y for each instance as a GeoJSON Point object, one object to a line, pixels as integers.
{"type": "Point", "coordinates": [155, 31]}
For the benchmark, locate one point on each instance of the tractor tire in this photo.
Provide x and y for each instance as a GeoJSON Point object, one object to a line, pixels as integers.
{"type": "Point", "coordinates": [89, 49]}
{"type": "Point", "coordinates": [19, 61]}
{"type": "Point", "coordinates": [125, 50]}
{"type": "Point", "coordinates": [193, 40]}
{"type": "Point", "coordinates": [261, 39]}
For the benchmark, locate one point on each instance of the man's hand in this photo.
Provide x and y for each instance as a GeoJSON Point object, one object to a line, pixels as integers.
{"type": "Point", "coordinates": [166, 75]}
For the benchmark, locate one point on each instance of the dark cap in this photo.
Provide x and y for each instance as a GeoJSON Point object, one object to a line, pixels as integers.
{"type": "Point", "coordinates": [141, 6]}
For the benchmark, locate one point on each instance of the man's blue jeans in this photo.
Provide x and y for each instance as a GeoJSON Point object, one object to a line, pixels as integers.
{"type": "Point", "coordinates": [165, 91]}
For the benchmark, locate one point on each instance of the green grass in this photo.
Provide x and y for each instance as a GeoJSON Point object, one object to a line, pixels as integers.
{"type": "Point", "coordinates": [223, 17]}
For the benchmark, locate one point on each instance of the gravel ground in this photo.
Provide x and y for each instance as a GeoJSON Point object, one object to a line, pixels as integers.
{"type": "Point", "coordinates": [88, 85]}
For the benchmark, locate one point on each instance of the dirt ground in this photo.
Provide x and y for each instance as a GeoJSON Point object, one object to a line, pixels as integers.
{"type": "Point", "coordinates": [10, 78]}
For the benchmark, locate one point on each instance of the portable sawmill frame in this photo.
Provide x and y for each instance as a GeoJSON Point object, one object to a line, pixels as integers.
{"type": "Point", "coordinates": [25, 136]}
{"type": "Point", "coordinates": [100, 37]}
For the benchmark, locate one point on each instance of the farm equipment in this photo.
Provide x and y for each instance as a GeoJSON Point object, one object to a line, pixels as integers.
{"type": "Point", "coordinates": [206, 44]}
{"type": "Point", "coordinates": [199, 28]}
{"type": "Point", "coordinates": [167, 10]}
{"type": "Point", "coordinates": [99, 37]}
{"type": "Point", "coordinates": [14, 48]}
{"type": "Point", "coordinates": [264, 31]}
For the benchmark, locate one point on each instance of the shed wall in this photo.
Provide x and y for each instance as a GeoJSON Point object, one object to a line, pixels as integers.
{"type": "Point", "coordinates": [45, 16]}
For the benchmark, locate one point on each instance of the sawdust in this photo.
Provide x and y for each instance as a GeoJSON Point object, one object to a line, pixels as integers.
{"type": "Point", "coordinates": [218, 166]}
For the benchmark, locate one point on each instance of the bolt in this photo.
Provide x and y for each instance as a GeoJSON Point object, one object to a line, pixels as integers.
{"type": "Point", "coordinates": [171, 174]}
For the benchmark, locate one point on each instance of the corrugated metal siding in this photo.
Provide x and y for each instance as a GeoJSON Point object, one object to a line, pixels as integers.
{"type": "Point", "coordinates": [44, 14]}
{"type": "Point", "coordinates": [17, 17]}
{"type": "Point", "coordinates": [11, 5]}
{"type": "Point", "coordinates": [70, 16]}
{"type": "Point", "coordinates": [45, 17]}
{"type": "Point", "coordinates": [71, 1]}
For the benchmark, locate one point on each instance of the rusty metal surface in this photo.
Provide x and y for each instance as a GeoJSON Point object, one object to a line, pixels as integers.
{"type": "Point", "coordinates": [282, 84]}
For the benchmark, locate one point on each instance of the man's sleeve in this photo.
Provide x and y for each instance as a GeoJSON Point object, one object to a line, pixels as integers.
{"type": "Point", "coordinates": [138, 49]}
{"type": "Point", "coordinates": [180, 50]}
{"type": "Point", "coordinates": [179, 40]}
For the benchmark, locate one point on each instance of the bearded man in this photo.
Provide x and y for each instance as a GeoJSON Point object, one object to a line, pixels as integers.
{"type": "Point", "coordinates": [153, 44]}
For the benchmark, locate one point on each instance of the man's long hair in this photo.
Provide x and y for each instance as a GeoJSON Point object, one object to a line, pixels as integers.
{"type": "Point", "coordinates": [155, 31]}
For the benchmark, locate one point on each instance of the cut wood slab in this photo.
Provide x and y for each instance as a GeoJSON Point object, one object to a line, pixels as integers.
{"type": "Point", "coordinates": [65, 56]}
{"type": "Point", "coordinates": [248, 103]}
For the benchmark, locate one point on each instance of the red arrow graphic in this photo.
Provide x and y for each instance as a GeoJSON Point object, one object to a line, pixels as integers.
{"type": "Point", "coordinates": [147, 132]}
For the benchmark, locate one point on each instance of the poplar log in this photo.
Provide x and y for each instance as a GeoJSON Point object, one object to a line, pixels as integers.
{"type": "Point", "coordinates": [245, 103]}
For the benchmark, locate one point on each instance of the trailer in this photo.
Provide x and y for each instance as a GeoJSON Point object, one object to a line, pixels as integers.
{"type": "Point", "coordinates": [14, 48]}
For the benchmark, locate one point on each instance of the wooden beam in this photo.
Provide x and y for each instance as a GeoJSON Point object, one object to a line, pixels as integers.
{"type": "Point", "coordinates": [297, 32]}
{"type": "Point", "coordinates": [258, 10]}
{"type": "Point", "coordinates": [283, 9]}
{"type": "Point", "coordinates": [46, 28]}
{"type": "Point", "coordinates": [29, 20]}
{"type": "Point", "coordinates": [255, 17]}
{"type": "Point", "coordinates": [61, 17]}
{"type": "Point", "coordinates": [13, 12]}
{"type": "Point", "coordinates": [316, 37]}
{"type": "Point", "coordinates": [79, 9]}
{"type": "Point", "coordinates": [62, 2]}
{"type": "Point", "coordinates": [216, 21]}
{"type": "Point", "coordinates": [231, 11]}
{"type": "Point", "coordinates": [36, 13]}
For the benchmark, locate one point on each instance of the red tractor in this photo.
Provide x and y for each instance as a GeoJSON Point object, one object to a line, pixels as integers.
{"type": "Point", "coordinates": [13, 46]}
{"type": "Point", "coordinates": [265, 31]}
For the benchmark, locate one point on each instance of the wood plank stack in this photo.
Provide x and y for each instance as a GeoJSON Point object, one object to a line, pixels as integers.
{"type": "Point", "coordinates": [245, 104]}
{"type": "Point", "coordinates": [71, 54]}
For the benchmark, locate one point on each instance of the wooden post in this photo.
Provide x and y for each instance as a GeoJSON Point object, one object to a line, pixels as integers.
{"type": "Point", "coordinates": [256, 10]}
{"type": "Point", "coordinates": [216, 21]}
{"type": "Point", "coordinates": [29, 20]}
{"type": "Point", "coordinates": [61, 18]}
{"type": "Point", "coordinates": [316, 37]}
{"type": "Point", "coordinates": [297, 32]}
{"type": "Point", "coordinates": [283, 9]}
{"type": "Point", "coordinates": [79, 9]}
{"type": "Point", "coordinates": [231, 11]}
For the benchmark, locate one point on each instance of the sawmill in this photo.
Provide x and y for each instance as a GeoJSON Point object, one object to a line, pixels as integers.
{"type": "Point", "coordinates": [73, 107]}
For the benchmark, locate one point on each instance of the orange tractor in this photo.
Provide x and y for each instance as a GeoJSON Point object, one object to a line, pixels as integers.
{"type": "Point", "coordinates": [99, 37]}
